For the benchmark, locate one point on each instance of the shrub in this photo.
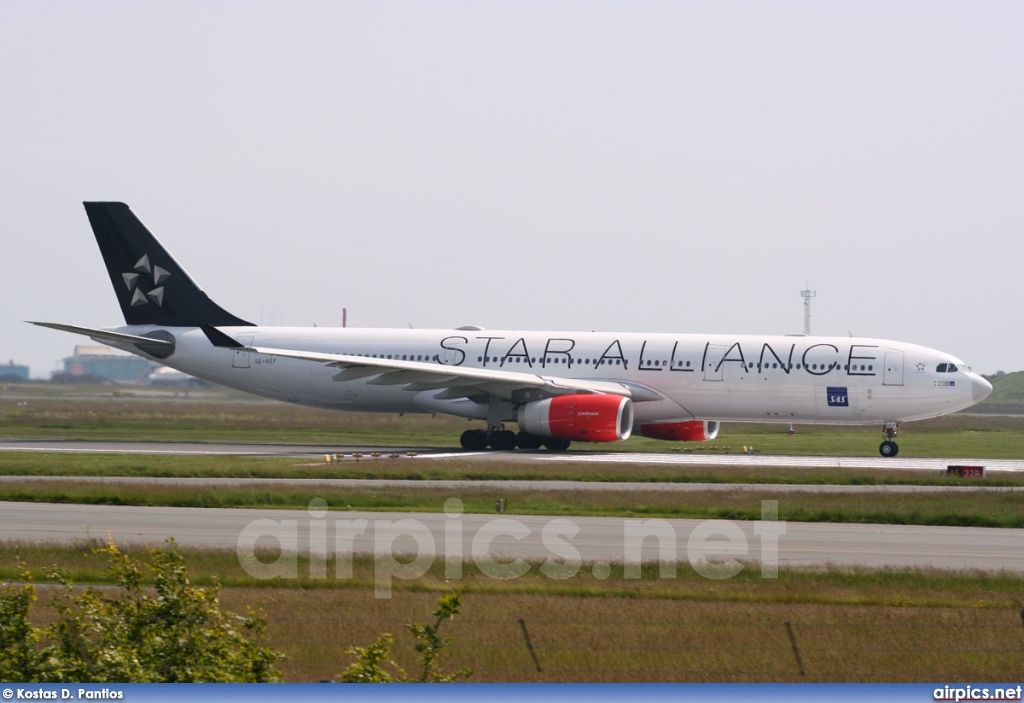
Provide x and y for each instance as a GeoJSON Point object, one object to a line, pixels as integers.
{"type": "Point", "coordinates": [372, 659]}
{"type": "Point", "coordinates": [180, 634]}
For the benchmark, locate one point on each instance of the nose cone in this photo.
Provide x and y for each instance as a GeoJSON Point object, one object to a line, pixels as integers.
{"type": "Point", "coordinates": [980, 388]}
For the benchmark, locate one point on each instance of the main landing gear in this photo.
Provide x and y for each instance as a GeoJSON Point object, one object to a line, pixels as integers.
{"type": "Point", "coordinates": [502, 440]}
{"type": "Point", "coordinates": [889, 448]}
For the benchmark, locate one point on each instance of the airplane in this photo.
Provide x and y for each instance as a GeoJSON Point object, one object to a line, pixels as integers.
{"type": "Point", "coordinates": [557, 387]}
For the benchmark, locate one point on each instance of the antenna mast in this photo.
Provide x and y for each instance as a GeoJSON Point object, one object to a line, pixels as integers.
{"type": "Point", "coordinates": [807, 295]}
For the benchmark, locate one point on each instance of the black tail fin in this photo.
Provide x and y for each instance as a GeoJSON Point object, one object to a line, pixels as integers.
{"type": "Point", "coordinates": [150, 285]}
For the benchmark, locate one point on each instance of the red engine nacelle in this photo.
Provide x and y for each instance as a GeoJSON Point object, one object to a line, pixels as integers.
{"type": "Point", "coordinates": [584, 418]}
{"type": "Point", "coordinates": [689, 431]}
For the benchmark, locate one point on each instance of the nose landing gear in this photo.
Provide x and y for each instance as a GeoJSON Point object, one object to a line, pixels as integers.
{"type": "Point", "coordinates": [889, 448]}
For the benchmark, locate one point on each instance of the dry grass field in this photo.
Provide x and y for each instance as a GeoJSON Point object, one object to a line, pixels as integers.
{"type": "Point", "coordinates": [847, 624]}
{"type": "Point", "coordinates": [649, 640]}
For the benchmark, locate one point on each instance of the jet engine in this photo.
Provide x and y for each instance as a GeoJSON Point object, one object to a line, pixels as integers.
{"type": "Point", "coordinates": [689, 431]}
{"type": "Point", "coordinates": [580, 417]}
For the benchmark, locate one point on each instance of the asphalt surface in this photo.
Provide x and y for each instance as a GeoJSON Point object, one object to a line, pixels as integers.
{"type": "Point", "coordinates": [538, 538]}
{"type": "Point", "coordinates": [696, 458]}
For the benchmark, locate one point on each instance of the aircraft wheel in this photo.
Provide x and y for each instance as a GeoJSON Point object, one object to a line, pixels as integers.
{"type": "Point", "coordinates": [473, 440]}
{"type": "Point", "coordinates": [525, 440]}
{"type": "Point", "coordinates": [503, 440]}
{"type": "Point", "coordinates": [889, 448]}
{"type": "Point", "coordinates": [554, 444]}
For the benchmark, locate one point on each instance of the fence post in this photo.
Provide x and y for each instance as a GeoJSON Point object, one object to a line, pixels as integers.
{"type": "Point", "coordinates": [796, 650]}
{"type": "Point", "coordinates": [529, 645]}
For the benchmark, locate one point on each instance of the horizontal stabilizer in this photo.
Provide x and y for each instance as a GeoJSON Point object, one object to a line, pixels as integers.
{"type": "Point", "coordinates": [104, 335]}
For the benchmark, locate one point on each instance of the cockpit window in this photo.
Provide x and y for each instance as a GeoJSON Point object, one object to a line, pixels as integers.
{"type": "Point", "coordinates": [947, 368]}
{"type": "Point", "coordinates": [941, 368]}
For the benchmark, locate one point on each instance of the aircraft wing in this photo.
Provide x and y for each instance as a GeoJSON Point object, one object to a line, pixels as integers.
{"type": "Point", "coordinates": [455, 381]}
{"type": "Point", "coordinates": [460, 382]}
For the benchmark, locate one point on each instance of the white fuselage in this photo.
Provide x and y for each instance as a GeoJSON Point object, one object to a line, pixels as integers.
{"type": "Point", "coordinates": [831, 380]}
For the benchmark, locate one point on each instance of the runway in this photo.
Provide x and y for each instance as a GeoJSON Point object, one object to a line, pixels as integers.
{"type": "Point", "coordinates": [423, 454]}
{"type": "Point", "coordinates": [537, 538]}
{"type": "Point", "coordinates": [780, 461]}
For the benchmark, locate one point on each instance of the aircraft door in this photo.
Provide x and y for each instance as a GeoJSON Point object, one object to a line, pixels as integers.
{"type": "Point", "coordinates": [713, 362]}
{"type": "Point", "coordinates": [893, 375]}
{"type": "Point", "coordinates": [241, 357]}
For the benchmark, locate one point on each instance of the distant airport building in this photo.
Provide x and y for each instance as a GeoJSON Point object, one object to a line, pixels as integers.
{"type": "Point", "coordinates": [13, 372]}
{"type": "Point", "coordinates": [166, 376]}
{"type": "Point", "coordinates": [106, 363]}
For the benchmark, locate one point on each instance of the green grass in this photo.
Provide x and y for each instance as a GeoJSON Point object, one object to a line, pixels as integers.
{"type": "Point", "coordinates": [478, 468]}
{"type": "Point", "coordinates": [972, 509]}
{"type": "Point", "coordinates": [919, 588]}
{"type": "Point", "coordinates": [1007, 394]}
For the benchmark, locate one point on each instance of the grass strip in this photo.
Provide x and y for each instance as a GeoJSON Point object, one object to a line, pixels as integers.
{"type": "Point", "coordinates": [473, 469]}
{"type": "Point", "coordinates": [919, 588]}
{"type": "Point", "coordinates": [973, 509]}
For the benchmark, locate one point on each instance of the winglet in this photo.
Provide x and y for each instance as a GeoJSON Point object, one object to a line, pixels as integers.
{"type": "Point", "coordinates": [219, 339]}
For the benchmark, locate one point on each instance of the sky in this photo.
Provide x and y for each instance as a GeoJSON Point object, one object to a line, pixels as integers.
{"type": "Point", "coordinates": [632, 166]}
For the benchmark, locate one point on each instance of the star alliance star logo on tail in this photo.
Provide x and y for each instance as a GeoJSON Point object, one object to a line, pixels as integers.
{"type": "Point", "coordinates": [134, 280]}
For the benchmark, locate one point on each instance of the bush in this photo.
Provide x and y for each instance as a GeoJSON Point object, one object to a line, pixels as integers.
{"type": "Point", "coordinates": [178, 635]}
{"type": "Point", "coordinates": [370, 667]}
